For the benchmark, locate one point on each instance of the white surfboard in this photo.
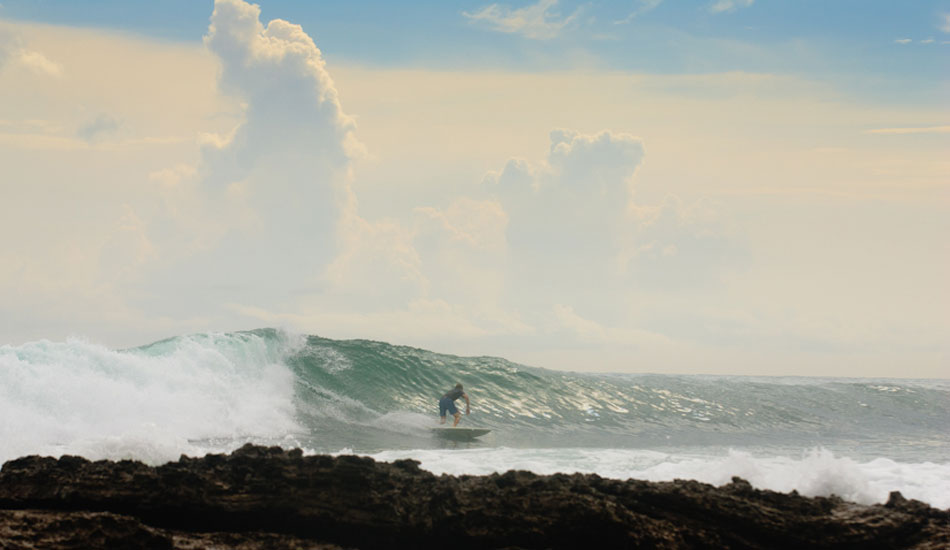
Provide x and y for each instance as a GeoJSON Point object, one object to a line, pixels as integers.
{"type": "Point", "coordinates": [460, 434]}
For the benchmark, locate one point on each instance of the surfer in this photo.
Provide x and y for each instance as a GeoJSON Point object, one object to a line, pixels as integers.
{"type": "Point", "coordinates": [447, 404]}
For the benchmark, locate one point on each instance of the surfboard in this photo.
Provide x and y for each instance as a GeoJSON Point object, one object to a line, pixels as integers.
{"type": "Point", "coordinates": [459, 434]}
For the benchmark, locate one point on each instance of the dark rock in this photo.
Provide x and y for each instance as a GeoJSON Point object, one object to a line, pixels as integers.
{"type": "Point", "coordinates": [59, 530]}
{"type": "Point", "coordinates": [266, 497]}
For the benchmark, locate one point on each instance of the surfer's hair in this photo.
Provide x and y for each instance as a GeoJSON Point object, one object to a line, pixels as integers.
{"type": "Point", "coordinates": [459, 385]}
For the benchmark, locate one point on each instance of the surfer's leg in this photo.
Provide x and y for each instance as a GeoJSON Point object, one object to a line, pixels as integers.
{"type": "Point", "coordinates": [448, 406]}
{"type": "Point", "coordinates": [458, 416]}
{"type": "Point", "coordinates": [443, 408]}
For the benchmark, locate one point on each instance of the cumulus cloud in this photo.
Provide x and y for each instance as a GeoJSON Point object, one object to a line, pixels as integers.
{"type": "Point", "coordinates": [944, 24]}
{"type": "Point", "coordinates": [270, 193]}
{"type": "Point", "coordinates": [536, 21]}
{"type": "Point", "coordinates": [291, 101]}
{"type": "Point", "coordinates": [547, 228]}
{"type": "Point", "coordinates": [722, 6]}
{"type": "Point", "coordinates": [903, 41]}
{"type": "Point", "coordinates": [570, 204]}
{"type": "Point", "coordinates": [557, 249]}
{"type": "Point", "coordinates": [575, 220]}
{"type": "Point", "coordinates": [281, 226]}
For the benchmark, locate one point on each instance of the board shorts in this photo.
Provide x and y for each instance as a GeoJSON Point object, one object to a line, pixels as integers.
{"type": "Point", "coordinates": [447, 405]}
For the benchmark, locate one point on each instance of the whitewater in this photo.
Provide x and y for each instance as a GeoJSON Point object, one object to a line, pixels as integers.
{"type": "Point", "coordinates": [211, 393]}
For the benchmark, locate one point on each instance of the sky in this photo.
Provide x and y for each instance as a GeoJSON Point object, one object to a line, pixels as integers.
{"type": "Point", "coordinates": [757, 187]}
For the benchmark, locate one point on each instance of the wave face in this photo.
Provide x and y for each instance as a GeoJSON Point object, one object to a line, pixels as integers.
{"type": "Point", "coordinates": [212, 393]}
{"type": "Point", "coordinates": [375, 387]}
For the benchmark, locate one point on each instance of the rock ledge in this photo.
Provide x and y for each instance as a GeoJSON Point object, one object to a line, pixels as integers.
{"type": "Point", "coordinates": [267, 497]}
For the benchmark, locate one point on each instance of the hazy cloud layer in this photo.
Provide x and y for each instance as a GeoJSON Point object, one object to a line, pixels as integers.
{"type": "Point", "coordinates": [913, 130]}
{"type": "Point", "coordinates": [100, 126]}
{"type": "Point", "coordinates": [739, 222]}
{"type": "Point", "coordinates": [13, 53]}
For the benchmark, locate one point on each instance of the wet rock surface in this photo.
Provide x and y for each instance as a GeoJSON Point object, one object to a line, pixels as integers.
{"type": "Point", "coordinates": [260, 497]}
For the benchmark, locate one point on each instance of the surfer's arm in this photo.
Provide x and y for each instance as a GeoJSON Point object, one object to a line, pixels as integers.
{"type": "Point", "coordinates": [468, 408]}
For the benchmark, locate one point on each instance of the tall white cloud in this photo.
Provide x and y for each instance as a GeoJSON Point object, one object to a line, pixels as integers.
{"type": "Point", "coordinates": [275, 187]}
{"type": "Point", "coordinates": [291, 101]}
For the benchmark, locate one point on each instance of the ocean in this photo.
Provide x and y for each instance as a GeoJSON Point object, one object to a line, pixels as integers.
{"type": "Point", "coordinates": [212, 393]}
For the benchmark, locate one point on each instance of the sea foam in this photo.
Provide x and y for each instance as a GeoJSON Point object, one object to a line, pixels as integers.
{"type": "Point", "coordinates": [813, 472]}
{"type": "Point", "coordinates": [149, 403]}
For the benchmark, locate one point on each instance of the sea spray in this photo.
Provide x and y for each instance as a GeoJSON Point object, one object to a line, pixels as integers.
{"type": "Point", "coordinates": [148, 403]}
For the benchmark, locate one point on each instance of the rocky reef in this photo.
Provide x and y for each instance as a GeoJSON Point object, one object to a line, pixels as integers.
{"type": "Point", "coordinates": [267, 497]}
